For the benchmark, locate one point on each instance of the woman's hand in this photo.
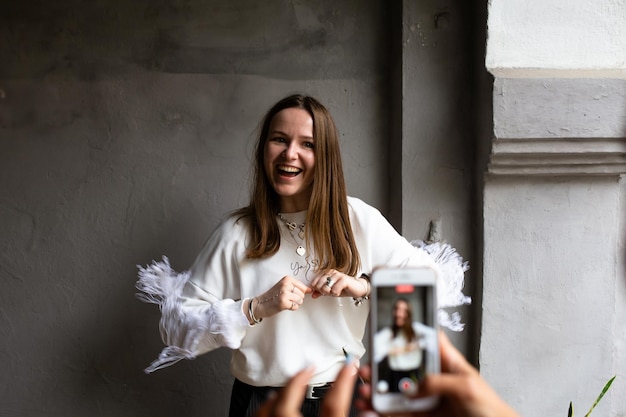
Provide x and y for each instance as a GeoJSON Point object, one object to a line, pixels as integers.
{"type": "Point", "coordinates": [338, 284]}
{"type": "Point", "coordinates": [288, 401]}
{"type": "Point", "coordinates": [287, 294]}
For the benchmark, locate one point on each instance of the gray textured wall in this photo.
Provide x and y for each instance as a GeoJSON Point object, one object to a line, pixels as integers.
{"type": "Point", "coordinates": [126, 130]}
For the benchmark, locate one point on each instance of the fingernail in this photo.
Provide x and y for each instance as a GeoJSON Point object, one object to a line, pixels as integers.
{"type": "Point", "coordinates": [350, 358]}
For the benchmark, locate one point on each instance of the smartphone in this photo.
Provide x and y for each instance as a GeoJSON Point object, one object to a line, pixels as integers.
{"type": "Point", "coordinates": [404, 345]}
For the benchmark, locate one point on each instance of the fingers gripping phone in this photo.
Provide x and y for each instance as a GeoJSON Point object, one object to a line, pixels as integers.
{"type": "Point", "coordinates": [404, 345]}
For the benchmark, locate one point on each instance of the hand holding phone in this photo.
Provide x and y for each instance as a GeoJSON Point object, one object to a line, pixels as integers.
{"type": "Point", "coordinates": [404, 342]}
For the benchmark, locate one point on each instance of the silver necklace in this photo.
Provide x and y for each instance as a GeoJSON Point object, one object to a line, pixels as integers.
{"type": "Point", "coordinates": [291, 226]}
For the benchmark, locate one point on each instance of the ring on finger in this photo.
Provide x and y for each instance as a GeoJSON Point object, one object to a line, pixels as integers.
{"type": "Point", "coordinates": [293, 305]}
{"type": "Point", "coordinates": [329, 282]}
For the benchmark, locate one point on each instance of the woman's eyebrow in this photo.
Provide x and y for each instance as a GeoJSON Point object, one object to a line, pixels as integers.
{"type": "Point", "coordinates": [280, 132]}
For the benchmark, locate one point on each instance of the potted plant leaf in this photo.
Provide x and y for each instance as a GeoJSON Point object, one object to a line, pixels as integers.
{"type": "Point", "coordinates": [604, 390]}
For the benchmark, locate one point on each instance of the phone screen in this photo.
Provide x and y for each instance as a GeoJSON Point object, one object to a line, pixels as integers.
{"type": "Point", "coordinates": [405, 337]}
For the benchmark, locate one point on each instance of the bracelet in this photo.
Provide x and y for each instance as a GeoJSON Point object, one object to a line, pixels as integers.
{"type": "Point", "coordinates": [251, 312]}
{"type": "Point", "coordinates": [368, 290]}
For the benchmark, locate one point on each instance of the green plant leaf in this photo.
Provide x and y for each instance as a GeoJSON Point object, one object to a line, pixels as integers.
{"type": "Point", "coordinates": [570, 413]}
{"type": "Point", "coordinates": [604, 390]}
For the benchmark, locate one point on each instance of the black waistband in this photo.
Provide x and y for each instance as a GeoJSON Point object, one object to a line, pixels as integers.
{"type": "Point", "coordinates": [313, 391]}
{"type": "Point", "coordinates": [246, 399]}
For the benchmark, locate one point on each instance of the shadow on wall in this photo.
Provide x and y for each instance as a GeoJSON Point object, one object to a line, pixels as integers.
{"type": "Point", "coordinates": [73, 336]}
{"type": "Point", "coordinates": [105, 374]}
{"type": "Point", "coordinates": [105, 159]}
{"type": "Point", "coordinates": [190, 388]}
{"type": "Point", "coordinates": [130, 340]}
{"type": "Point", "coordinates": [178, 36]}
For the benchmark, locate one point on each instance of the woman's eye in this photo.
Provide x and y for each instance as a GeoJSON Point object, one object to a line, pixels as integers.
{"type": "Point", "coordinates": [278, 139]}
{"type": "Point", "coordinates": [309, 145]}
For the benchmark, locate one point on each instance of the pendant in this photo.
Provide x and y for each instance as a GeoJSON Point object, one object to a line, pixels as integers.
{"type": "Point", "coordinates": [300, 250]}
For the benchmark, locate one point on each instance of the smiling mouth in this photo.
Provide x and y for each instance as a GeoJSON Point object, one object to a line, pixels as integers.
{"type": "Point", "coordinates": [288, 171]}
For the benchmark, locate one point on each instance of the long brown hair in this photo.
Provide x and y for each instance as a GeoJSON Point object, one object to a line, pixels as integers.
{"type": "Point", "coordinates": [327, 220]}
{"type": "Point", "coordinates": [407, 327]}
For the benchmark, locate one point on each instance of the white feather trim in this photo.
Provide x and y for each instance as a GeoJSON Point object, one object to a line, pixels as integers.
{"type": "Point", "coordinates": [188, 331]}
{"type": "Point", "coordinates": [450, 286]}
{"type": "Point", "coordinates": [158, 283]}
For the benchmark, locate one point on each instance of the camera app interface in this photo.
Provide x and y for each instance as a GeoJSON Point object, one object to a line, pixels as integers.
{"type": "Point", "coordinates": [405, 335]}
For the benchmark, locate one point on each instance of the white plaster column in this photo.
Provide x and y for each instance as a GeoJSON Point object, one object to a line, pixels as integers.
{"type": "Point", "coordinates": [554, 210]}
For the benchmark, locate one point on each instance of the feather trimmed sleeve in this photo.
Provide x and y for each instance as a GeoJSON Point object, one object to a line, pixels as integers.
{"type": "Point", "coordinates": [383, 245]}
{"type": "Point", "coordinates": [452, 280]}
{"type": "Point", "coordinates": [189, 327]}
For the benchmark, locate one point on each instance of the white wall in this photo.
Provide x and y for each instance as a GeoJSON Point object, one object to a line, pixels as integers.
{"type": "Point", "coordinates": [554, 206]}
{"type": "Point", "coordinates": [557, 38]}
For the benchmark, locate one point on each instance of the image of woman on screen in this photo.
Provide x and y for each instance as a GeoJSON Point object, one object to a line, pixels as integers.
{"type": "Point", "coordinates": [400, 348]}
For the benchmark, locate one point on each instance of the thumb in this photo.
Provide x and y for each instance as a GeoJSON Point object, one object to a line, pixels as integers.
{"type": "Point", "coordinates": [441, 385]}
{"type": "Point", "coordinates": [291, 396]}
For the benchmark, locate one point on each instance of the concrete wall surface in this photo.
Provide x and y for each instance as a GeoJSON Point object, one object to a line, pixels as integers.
{"type": "Point", "coordinates": [557, 38]}
{"type": "Point", "coordinates": [553, 301]}
{"type": "Point", "coordinates": [554, 278]}
{"type": "Point", "coordinates": [126, 133]}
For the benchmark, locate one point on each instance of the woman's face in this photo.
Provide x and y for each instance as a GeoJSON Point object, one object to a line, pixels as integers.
{"type": "Point", "coordinates": [289, 158]}
{"type": "Point", "coordinates": [400, 313]}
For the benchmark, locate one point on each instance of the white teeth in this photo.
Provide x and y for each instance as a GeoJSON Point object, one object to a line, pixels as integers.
{"type": "Point", "coordinates": [289, 169]}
